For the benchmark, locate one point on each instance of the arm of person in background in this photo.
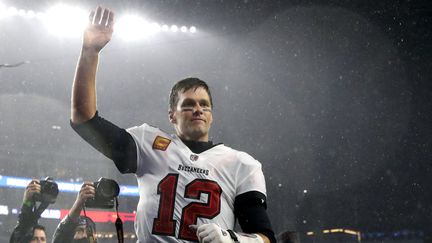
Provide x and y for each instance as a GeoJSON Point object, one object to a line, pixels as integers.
{"type": "Point", "coordinates": [27, 219]}
{"type": "Point", "coordinates": [107, 138]}
{"type": "Point", "coordinates": [65, 231]}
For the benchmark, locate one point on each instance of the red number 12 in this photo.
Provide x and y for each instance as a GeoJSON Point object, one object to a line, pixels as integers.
{"type": "Point", "coordinates": [165, 225]}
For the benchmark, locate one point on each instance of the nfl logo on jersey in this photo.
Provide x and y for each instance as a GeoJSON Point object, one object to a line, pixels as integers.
{"type": "Point", "coordinates": [194, 157]}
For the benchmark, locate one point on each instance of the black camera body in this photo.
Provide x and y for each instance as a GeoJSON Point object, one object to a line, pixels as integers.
{"type": "Point", "coordinates": [106, 191]}
{"type": "Point", "coordinates": [49, 191]}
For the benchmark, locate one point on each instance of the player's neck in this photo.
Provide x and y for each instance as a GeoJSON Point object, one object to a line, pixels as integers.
{"type": "Point", "coordinates": [203, 139]}
{"type": "Point", "coordinates": [198, 146]}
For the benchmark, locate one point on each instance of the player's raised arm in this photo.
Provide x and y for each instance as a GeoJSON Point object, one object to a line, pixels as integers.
{"type": "Point", "coordinates": [97, 34]}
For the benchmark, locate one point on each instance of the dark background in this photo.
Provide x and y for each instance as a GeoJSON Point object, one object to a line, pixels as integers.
{"type": "Point", "coordinates": [333, 97]}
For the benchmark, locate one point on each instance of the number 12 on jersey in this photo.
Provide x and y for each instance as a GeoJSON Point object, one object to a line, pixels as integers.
{"type": "Point", "coordinates": [164, 223]}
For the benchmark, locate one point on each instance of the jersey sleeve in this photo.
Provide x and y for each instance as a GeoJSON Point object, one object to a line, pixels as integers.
{"type": "Point", "coordinates": [144, 136]}
{"type": "Point", "coordinates": [109, 139]}
{"type": "Point", "coordinates": [250, 202]}
{"type": "Point", "coordinates": [249, 176]}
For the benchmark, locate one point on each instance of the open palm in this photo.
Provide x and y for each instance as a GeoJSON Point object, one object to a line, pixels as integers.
{"type": "Point", "coordinates": [99, 31]}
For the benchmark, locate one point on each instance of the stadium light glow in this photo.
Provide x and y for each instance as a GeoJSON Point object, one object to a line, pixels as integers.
{"type": "Point", "coordinates": [12, 11]}
{"type": "Point", "coordinates": [68, 21]}
{"type": "Point", "coordinates": [133, 27]}
{"type": "Point", "coordinates": [174, 28]}
{"type": "Point", "coordinates": [65, 21]}
{"type": "Point", "coordinates": [155, 27]}
{"type": "Point", "coordinates": [21, 13]}
{"type": "Point", "coordinates": [336, 230]}
{"type": "Point", "coordinates": [165, 27]}
{"type": "Point", "coordinates": [30, 14]}
{"type": "Point", "coordinates": [351, 232]}
{"type": "Point", "coordinates": [20, 182]}
{"type": "Point", "coordinates": [4, 210]}
{"type": "Point", "coordinates": [40, 15]}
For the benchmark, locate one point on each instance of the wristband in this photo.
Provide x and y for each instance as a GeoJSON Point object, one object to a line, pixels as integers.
{"type": "Point", "coordinates": [28, 203]}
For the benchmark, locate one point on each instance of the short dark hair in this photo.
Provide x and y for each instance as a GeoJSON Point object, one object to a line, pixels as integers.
{"type": "Point", "coordinates": [39, 227]}
{"type": "Point", "coordinates": [185, 85]}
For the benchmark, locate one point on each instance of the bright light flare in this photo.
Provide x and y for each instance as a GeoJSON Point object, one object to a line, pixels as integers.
{"type": "Point", "coordinates": [165, 27]}
{"type": "Point", "coordinates": [3, 10]}
{"type": "Point", "coordinates": [11, 11]}
{"type": "Point", "coordinates": [133, 27]}
{"type": "Point", "coordinates": [21, 13]}
{"type": "Point", "coordinates": [30, 14]}
{"type": "Point", "coordinates": [65, 21]}
{"type": "Point", "coordinates": [174, 28]}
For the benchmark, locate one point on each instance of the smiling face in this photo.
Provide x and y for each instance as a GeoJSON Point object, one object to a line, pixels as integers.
{"type": "Point", "coordinates": [192, 115]}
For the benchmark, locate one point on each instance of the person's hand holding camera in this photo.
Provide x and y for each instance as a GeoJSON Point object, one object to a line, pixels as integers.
{"type": "Point", "coordinates": [87, 191]}
{"type": "Point", "coordinates": [32, 189]}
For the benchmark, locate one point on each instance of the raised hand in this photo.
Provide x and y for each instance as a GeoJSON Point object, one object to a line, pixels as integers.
{"type": "Point", "coordinates": [99, 30]}
{"type": "Point", "coordinates": [32, 188]}
{"type": "Point", "coordinates": [87, 191]}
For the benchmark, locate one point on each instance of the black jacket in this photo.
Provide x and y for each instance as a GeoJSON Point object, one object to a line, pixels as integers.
{"type": "Point", "coordinates": [23, 231]}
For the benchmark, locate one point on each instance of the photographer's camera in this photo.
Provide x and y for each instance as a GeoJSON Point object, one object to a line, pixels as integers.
{"type": "Point", "coordinates": [49, 191]}
{"type": "Point", "coordinates": [106, 191]}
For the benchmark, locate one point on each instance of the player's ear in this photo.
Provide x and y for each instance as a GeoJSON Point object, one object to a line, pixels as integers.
{"type": "Point", "coordinates": [172, 117]}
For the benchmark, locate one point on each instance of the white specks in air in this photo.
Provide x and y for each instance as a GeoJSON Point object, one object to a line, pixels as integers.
{"type": "Point", "coordinates": [55, 127]}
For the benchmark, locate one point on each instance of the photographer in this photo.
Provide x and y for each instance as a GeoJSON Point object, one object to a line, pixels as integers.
{"type": "Point", "coordinates": [27, 229]}
{"type": "Point", "coordinates": [39, 234]}
{"type": "Point", "coordinates": [76, 228]}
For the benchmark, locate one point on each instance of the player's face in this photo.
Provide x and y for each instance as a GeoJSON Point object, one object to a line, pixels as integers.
{"type": "Point", "coordinates": [192, 117]}
{"type": "Point", "coordinates": [39, 236]}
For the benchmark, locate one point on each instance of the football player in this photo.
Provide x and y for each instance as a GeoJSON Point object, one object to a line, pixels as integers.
{"type": "Point", "coordinates": [190, 189]}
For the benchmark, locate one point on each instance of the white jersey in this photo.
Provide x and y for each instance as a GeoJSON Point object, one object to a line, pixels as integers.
{"type": "Point", "coordinates": [178, 187]}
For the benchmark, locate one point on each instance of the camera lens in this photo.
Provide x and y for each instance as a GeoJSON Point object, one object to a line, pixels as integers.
{"type": "Point", "coordinates": [108, 188]}
{"type": "Point", "coordinates": [106, 191]}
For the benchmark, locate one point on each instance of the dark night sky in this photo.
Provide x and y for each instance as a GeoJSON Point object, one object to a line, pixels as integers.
{"type": "Point", "coordinates": [333, 97]}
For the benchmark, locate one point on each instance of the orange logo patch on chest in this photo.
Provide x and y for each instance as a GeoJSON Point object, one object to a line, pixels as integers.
{"type": "Point", "coordinates": [161, 143]}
